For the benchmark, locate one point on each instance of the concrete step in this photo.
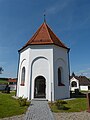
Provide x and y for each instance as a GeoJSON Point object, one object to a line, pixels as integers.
{"type": "Point", "coordinates": [39, 99]}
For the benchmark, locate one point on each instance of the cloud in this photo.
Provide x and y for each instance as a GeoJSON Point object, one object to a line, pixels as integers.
{"type": "Point", "coordinates": [2, 63]}
{"type": "Point", "coordinates": [86, 20]}
{"type": "Point", "coordinates": [55, 8]}
{"type": "Point", "coordinates": [85, 72]}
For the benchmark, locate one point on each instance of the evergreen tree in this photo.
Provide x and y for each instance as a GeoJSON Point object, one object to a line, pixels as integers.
{"type": "Point", "coordinates": [1, 70]}
{"type": "Point", "coordinates": [73, 74]}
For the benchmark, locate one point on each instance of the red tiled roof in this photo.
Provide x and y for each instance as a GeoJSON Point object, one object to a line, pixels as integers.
{"type": "Point", "coordinates": [12, 80]}
{"type": "Point", "coordinates": [44, 36]}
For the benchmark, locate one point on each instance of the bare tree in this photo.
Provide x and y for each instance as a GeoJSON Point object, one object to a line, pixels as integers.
{"type": "Point", "coordinates": [1, 70]}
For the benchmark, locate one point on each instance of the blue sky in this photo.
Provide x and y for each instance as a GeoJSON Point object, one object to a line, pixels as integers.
{"type": "Point", "coordinates": [69, 19]}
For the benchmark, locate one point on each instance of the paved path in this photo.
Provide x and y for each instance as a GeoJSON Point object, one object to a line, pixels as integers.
{"type": "Point", "coordinates": [39, 110]}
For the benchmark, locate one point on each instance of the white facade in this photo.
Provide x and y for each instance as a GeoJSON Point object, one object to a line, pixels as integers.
{"type": "Point", "coordinates": [78, 86]}
{"type": "Point", "coordinates": [61, 60]}
{"type": "Point", "coordinates": [72, 88]}
{"type": "Point", "coordinates": [12, 87]}
{"type": "Point", "coordinates": [44, 60]}
{"type": "Point", "coordinates": [84, 88]}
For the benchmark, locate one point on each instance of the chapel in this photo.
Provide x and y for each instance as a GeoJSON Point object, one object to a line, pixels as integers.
{"type": "Point", "coordinates": [43, 70]}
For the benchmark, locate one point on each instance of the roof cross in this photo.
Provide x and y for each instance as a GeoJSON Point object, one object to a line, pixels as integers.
{"type": "Point", "coordinates": [44, 16]}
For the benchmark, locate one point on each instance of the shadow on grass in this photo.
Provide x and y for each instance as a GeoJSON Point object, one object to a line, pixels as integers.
{"type": "Point", "coordinates": [65, 108]}
{"type": "Point", "coordinates": [79, 95]}
{"type": "Point", "coordinates": [61, 108]}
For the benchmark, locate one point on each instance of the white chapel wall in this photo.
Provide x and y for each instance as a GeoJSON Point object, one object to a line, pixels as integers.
{"type": "Point", "coordinates": [44, 60]}
{"type": "Point", "coordinates": [41, 63]}
{"type": "Point", "coordinates": [24, 62]}
{"type": "Point", "coordinates": [61, 60]}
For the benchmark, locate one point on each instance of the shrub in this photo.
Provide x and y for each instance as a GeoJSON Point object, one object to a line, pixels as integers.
{"type": "Point", "coordinates": [28, 103]}
{"type": "Point", "coordinates": [60, 104]}
{"type": "Point", "coordinates": [22, 101]}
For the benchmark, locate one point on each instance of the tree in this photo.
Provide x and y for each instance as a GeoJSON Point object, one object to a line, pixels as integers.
{"type": "Point", "coordinates": [1, 70]}
{"type": "Point", "coordinates": [73, 74]}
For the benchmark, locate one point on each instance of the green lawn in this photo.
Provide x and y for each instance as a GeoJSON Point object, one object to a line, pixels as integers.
{"type": "Point", "coordinates": [10, 106]}
{"type": "Point", "coordinates": [75, 105]}
{"type": "Point", "coordinates": [3, 81]}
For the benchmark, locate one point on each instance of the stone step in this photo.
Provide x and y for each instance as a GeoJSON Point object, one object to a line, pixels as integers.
{"type": "Point", "coordinates": [39, 99]}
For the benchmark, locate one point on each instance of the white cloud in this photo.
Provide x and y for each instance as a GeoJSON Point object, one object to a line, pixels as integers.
{"type": "Point", "coordinates": [2, 63]}
{"type": "Point", "coordinates": [55, 8]}
{"type": "Point", "coordinates": [85, 72]}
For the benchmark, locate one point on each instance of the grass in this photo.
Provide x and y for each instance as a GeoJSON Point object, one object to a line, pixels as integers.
{"type": "Point", "coordinates": [3, 81]}
{"type": "Point", "coordinates": [10, 106]}
{"type": "Point", "coordinates": [75, 105]}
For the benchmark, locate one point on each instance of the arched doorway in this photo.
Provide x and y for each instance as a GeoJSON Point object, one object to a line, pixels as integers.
{"type": "Point", "coordinates": [40, 87]}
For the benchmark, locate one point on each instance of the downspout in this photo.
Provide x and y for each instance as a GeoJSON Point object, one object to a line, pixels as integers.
{"type": "Point", "coordinates": [17, 73]}
{"type": "Point", "coordinates": [53, 85]}
{"type": "Point", "coordinates": [69, 66]}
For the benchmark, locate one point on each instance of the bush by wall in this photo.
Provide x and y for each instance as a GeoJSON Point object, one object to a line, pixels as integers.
{"type": "Point", "coordinates": [23, 101]}
{"type": "Point", "coordinates": [60, 104]}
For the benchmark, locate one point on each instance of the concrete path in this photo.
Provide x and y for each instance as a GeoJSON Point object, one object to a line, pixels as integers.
{"type": "Point", "coordinates": [39, 110]}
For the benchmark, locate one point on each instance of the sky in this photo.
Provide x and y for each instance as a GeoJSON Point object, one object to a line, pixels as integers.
{"type": "Point", "coordinates": [69, 20]}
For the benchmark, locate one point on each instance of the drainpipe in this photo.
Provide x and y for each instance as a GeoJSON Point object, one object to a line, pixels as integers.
{"type": "Point", "coordinates": [69, 66]}
{"type": "Point", "coordinates": [68, 63]}
{"type": "Point", "coordinates": [17, 72]}
{"type": "Point", "coordinates": [51, 92]}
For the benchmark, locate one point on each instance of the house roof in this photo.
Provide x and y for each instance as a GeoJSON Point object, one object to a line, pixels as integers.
{"type": "Point", "coordinates": [44, 36]}
{"type": "Point", "coordinates": [83, 80]}
{"type": "Point", "coordinates": [12, 80]}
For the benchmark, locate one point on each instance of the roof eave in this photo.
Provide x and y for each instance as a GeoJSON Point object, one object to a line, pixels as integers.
{"type": "Point", "coordinates": [43, 44]}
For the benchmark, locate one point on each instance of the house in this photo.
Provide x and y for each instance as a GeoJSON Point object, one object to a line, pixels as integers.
{"type": "Point", "coordinates": [43, 67]}
{"type": "Point", "coordinates": [12, 83]}
{"type": "Point", "coordinates": [3, 83]}
{"type": "Point", "coordinates": [79, 82]}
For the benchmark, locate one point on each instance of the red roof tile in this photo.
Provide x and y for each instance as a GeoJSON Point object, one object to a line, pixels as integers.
{"type": "Point", "coordinates": [44, 36]}
{"type": "Point", "coordinates": [12, 80]}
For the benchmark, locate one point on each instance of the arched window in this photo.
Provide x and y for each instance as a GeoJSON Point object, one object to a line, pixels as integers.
{"type": "Point", "coordinates": [60, 77]}
{"type": "Point", "coordinates": [23, 76]}
{"type": "Point", "coordinates": [73, 84]}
